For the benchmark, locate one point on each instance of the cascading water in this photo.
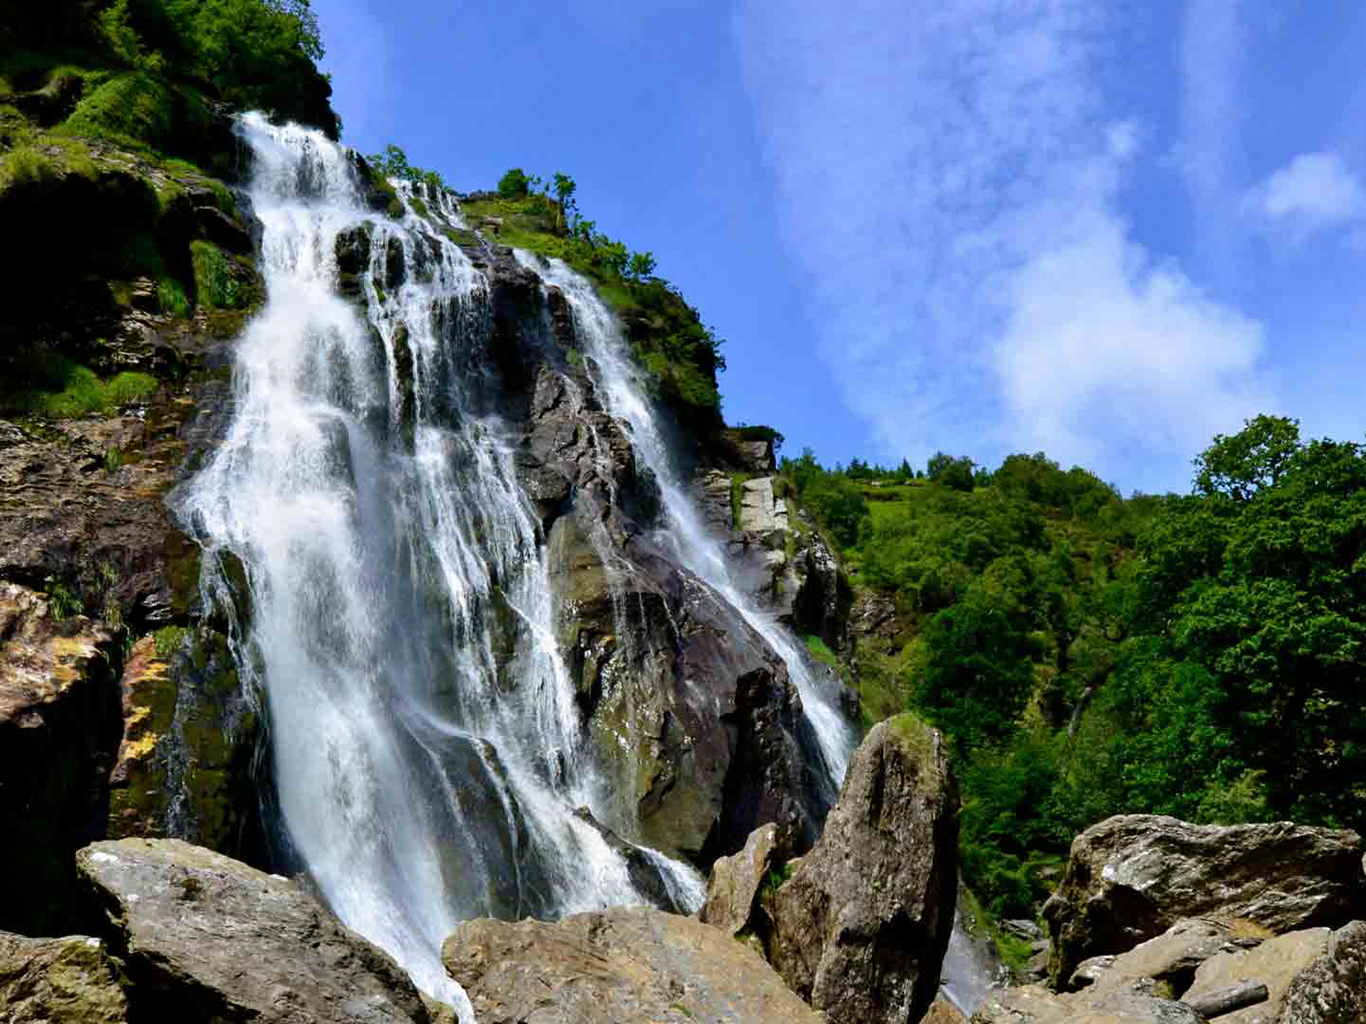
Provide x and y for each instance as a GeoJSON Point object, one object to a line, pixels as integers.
{"type": "Point", "coordinates": [422, 776]}
{"type": "Point", "coordinates": [620, 384]}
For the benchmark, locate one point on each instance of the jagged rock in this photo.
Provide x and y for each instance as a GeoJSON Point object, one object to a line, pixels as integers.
{"type": "Point", "coordinates": [760, 511]}
{"type": "Point", "coordinates": [1171, 957]}
{"type": "Point", "coordinates": [687, 704]}
{"type": "Point", "coordinates": [204, 936]}
{"type": "Point", "coordinates": [941, 1012]}
{"type": "Point", "coordinates": [352, 249]}
{"type": "Point", "coordinates": [736, 881]}
{"type": "Point", "coordinates": [628, 965]}
{"type": "Point", "coordinates": [103, 533]}
{"type": "Point", "coordinates": [1023, 929]}
{"type": "Point", "coordinates": [1275, 963]}
{"type": "Point", "coordinates": [72, 980]}
{"type": "Point", "coordinates": [861, 927]}
{"type": "Point", "coordinates": [1131, 877]}
{"type": "Point", "coordinates": [189, 736]}
{"type": "Point", "coordinates": [59, 728]}
{"type": "Point", "coordinates": [1332, 989]}
{"type": "Point", "coordinates": [1136, 1003]}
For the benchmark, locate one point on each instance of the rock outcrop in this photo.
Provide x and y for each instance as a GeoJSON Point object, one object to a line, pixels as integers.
{"type": "Point", "coordinates": [687, 704]}
{"type": "Point", "coordinates": [184, 766]}
{"type": "Point", "coordinates": [861, 927]}
{"type": "Point", "coordinates": [1131, 877]}
{"type": "Point", "coordinates": [1332, 989]}
{"type": "Point", "coordinates": [59, 728]}
{"type": "Point", "coordinates": [737, 881]}
{"type": "Point", "coordinates": [629, 965]}
{"type": "Point", "coordinates": [204, 937]}
{"type": "Point", "coordinates": [72, 980]}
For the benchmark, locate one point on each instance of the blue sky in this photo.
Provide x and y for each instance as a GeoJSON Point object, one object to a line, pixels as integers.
{"type": "Point", "coordinates": [1105, 230]}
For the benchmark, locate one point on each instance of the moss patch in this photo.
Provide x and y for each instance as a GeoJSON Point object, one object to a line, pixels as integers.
{"type": "Point", "coordinates": [48, 384]}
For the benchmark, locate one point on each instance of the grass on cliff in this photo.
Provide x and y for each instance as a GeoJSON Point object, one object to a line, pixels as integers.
{"type": "Point", "coordinates": [50, 385]}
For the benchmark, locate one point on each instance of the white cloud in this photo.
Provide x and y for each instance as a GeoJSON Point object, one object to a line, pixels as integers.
{"type": "Point", "coordinates": [1316, 190]}
{"type": "Point", "coordinates": [948, 174]}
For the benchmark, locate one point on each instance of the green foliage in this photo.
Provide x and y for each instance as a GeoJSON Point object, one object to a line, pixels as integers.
{"type": "Point", "coordinates": [25, 165]}
{"type": "Point", "coordinates": [514, 184]}
{"type": "Point", "coordinates": [171, 297]}
{"type": "Point", "coordinates": [392, 162]}
{"type": "Point", "coordinates": [62, 601]}
{"type": "Point", "coordinates": [774, 879]}
{"type": "Point", "coordinates": [47, 384]}
{"type": "Point", "coordinates": [956, 473]}
{"type": "Point", "coordinates": [217, 281]}
{"type": "Point", "coordinates": [978, 676]}
{"type": "Point", "coordinates": [169, 640]}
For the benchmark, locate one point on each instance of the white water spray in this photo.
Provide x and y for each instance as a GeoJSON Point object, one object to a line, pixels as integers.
{"type": "Point", "coordinates": [422, 776]}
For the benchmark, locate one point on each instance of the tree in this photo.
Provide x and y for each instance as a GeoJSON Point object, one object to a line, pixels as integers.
{"type": "Point", "coordinates": [978, 676]}
{"type": "Point", "coordinates": [642, 265]}
{"type": "Point", "coordinates": [951, 472]}
{"type": "Point", "coordinates": [565, 188]}
{"type": "Point", "coordinates": [514, 184]}
{"type": "Point", "coordinates": [1251, 459]}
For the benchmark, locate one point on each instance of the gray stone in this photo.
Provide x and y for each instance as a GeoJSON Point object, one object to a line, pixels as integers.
{"type": "Point", "coordinates": [209, 936]}
{"type": "Point", "coordinates": [60, 981]}
{"type": "Point", "coordinates": [1332, 989]}
{"type": "Point", "coordinates": [627, 965]}
{"type": "Point", "coordinates": [1131, 877]}
{"type": "Point", "coordinates": [861, 928]}
{"type": "Point", "coordinates": [736, 881]}
{"type": "Point", "coordinates": [1275, 963]}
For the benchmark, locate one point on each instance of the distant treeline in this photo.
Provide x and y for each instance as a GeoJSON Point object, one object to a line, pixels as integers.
{"type": "Point", "coordinates": [1199, 655]}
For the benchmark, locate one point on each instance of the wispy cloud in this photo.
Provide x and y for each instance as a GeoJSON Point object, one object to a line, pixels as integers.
{"type": "Point", "coordinates": [1316, 191]}
{"type": "Point", "coordinates": [949, 176]}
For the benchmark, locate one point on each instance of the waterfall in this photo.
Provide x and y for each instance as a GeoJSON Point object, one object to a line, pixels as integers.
{"type": "Point", "coordinates": [426, 747]}
{"type": "Point", "coordinates": [621, 386]}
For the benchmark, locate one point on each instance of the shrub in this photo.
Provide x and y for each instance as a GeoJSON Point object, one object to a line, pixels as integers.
{"type": "Point", "coordinates": [514, 184]}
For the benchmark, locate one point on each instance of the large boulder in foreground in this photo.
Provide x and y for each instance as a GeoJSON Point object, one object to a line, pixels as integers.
{"type": "Point", "coordinates": [861, 927]}
{"type": "Point", "coordinates": [205, 937]}
{"type": "Point", "coordinates": [60, 981]}
{"type": "Point", "coordinates": [628, 965]}
{"type": "Point", "coordinates": [1131, 877]}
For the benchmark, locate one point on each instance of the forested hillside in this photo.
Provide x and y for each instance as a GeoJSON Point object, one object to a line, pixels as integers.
{"type": "Point", "coordinates": [1088, 654]}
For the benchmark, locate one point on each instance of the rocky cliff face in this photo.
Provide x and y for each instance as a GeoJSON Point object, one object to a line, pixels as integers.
{"type": "Point", "coordinates": [114, 370]}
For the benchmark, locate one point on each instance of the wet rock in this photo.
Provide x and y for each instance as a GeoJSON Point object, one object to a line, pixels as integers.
{"type": "Point", "coordinates": [1131, 877]}
{"type": "Point", "coordinates": [184, 765]}
{"type": "Point", "coordinates": [628, 965]}
{"type": "Point", "coordinates": [1332, 989]}
{"type": "Point", "coordinates": [73, 980]}
{"type": "Point", "coordinates": [861, 928]}
{"type": "Point", "coordinates": [642, 869]}
{"type": "Point", "coordinates": [204, 936]}
{"type": "Point", "coordinates": [352, 249]}
{"type": "Point", "coordinates": [59, 728]}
